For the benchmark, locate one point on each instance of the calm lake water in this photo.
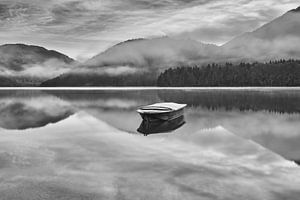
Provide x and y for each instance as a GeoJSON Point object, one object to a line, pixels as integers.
{"type": "Point", "coordinates": [231, 144]}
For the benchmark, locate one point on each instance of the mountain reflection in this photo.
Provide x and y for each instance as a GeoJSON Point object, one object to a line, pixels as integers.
{"type": "Point", "coordinates": [97, 152]}
{"type": "Point", "coordinates": [280, 101]}
{"type": "Point", "coordinates": [23, 110]}
{"type": "Point", "coordinates": [267, 117]}
{"type": "Point", "coordinates": [148, 127]}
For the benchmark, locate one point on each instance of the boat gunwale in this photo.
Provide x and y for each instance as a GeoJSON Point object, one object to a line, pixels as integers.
{"type": "Point", "coordinates": [149, 111]}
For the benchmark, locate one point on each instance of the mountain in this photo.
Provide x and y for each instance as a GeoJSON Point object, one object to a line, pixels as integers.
{"type": "Point", "coordinates": [278, 39]}
{"type": "Point", "coordinates": [6, 82]}
{"type": "Point", "coordinates": [275, 40]}
{"type": "Point", "coordinates": [140, 61]}
{"type": "Point", "coordinates": [30, 65]}
{"type": "Point", "coordinates": [135, 62]}
{"type": "Point", "coordinates": [153, 53]}
{"type": "Point", "coordinates": [95, 79]}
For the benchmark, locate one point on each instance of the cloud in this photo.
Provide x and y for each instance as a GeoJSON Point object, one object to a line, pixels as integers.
{"type": "Point", "coordinates": [110, 71]}
{"type": "Point", "coordinates": [43, 70]}
{"type": "Point", "coordinates": [264, 50]}
{"type": "Point", "coordinates": [30, 61]}
{"type": "Point", "coordinates": [94, 25]}
{"type": "Point", "coordinates": [49, 69]}
{"type": "Point", "coordinates": [275, 40]}
{"type": "Point", "coordinates": [154, 54]}
{"type": "Point", "coordinates": [223, 31]}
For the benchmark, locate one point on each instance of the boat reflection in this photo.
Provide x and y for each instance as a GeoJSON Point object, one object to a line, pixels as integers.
{"type": "Point", "coordinates": [148, 127]}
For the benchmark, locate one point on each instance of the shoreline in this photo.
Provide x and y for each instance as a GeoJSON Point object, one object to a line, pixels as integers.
{"type": "Point", "coordinates": [149, 88]}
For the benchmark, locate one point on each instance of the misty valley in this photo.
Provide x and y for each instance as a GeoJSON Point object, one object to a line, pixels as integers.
{"type": "Point", "coordinates": [267, 56]}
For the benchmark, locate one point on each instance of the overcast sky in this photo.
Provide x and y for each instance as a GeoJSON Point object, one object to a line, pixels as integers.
{"type": "Point", "coordinates": [83, 28]}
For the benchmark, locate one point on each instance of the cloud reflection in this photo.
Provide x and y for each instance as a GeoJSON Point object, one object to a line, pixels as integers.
{"type": "Point", "coordinates": [22, 111]}
{"type": "Point", "coordinates": [92, 159]}
{"type": "Point", "coordinates": [268, 118]}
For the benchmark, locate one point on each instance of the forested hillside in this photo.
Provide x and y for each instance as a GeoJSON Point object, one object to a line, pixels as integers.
{"type": "Point", "coordinates": [273, 73]}
{"type": "Point", "coordinates": [90, 80]}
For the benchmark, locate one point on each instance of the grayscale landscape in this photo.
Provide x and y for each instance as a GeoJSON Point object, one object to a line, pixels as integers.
{"type": "Point", "coordinates": [146, 100]}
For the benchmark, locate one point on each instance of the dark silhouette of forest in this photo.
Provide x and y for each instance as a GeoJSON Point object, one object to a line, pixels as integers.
{"type": "Point", "coordinates": [283, 101]}
{"type": "Point", "coordinates": [79, 80]}
{"type": "Point", "coordinates": [274, 73]}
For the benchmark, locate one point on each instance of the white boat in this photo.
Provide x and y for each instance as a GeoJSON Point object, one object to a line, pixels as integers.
{"type": "Point", "coordinates": [161, 111]}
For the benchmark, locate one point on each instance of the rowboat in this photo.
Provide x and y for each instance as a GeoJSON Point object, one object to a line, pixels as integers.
{"type": "Point", "coordinates": [161, 111]}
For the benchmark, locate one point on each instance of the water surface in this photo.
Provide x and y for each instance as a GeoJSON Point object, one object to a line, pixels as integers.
{"type": "Point", "coordinates": [234, 144]}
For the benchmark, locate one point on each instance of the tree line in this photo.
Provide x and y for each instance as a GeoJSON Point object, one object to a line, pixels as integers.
{"type": "Point", "coordinates": [79, 80]}
{"type": "Point", "coordinates": [273, 73]}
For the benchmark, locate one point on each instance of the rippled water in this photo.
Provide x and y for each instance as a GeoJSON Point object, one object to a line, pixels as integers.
{"type": "Point", "coordinates": [231, 144]}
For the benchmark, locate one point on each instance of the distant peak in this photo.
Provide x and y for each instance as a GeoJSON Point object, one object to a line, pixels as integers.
{"type": "Point", "coordinates": [131, 40]}
{"type": "Point", "coordinates": [20, 45]}
{"type": "Point", "coordinates": [296, 10]}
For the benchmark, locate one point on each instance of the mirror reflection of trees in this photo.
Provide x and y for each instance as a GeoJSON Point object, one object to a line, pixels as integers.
{"type": "Point", "coordinates": [284, 101]}
{"type": "Point", "coordinates": [281, 101]}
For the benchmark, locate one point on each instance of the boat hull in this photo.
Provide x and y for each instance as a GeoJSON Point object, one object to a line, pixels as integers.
{"type": "Point", "coordinates": [166, 116]}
